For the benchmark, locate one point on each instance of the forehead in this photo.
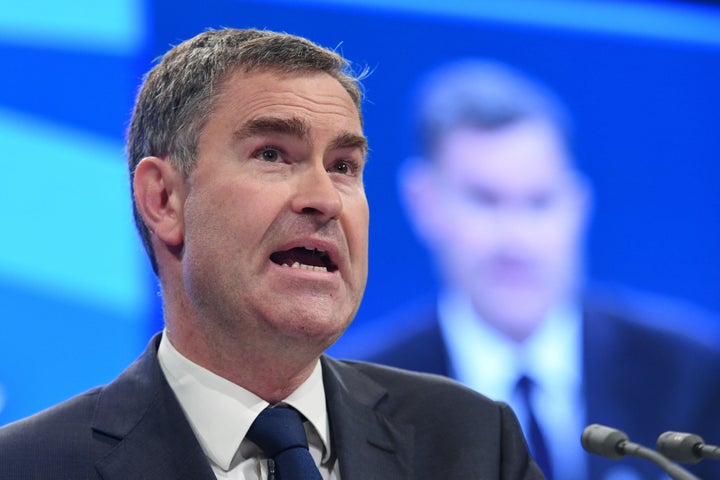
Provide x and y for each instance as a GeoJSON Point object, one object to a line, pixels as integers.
{"type": "Point", "coordinates": [313, 96]}
{"type": "Point", "coordinates": [528, 152]}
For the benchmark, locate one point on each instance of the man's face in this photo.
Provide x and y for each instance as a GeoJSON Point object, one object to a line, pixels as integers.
{"type": "Point", "coordinates": [507, 221]}
{"type": "Point", "coordinates": [276, 218]}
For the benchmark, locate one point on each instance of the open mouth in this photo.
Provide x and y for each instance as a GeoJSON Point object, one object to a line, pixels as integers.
{"type": "Point", "coordinates": [305, 259]}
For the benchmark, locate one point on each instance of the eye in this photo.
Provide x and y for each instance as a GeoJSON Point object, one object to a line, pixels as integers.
{"type": "Point", "coordinates": [268, 154]}
{"type": "Point", "coordinates": [542, 201]}
{"type": "Point", "coordinates": [345, 167]}
{"type": "Point", "coordinates": [482, 198]}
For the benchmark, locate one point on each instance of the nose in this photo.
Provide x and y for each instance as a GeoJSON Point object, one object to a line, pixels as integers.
{"type": "Point", "coordinates": [316, 193]}
{"type": "Point", "coordinates": [516, 228]}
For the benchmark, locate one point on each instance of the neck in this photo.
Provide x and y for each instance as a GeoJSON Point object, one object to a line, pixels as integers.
{"type": "Point", "coordinates": [265, 363]}
{"type": "Point", "coordinates": [270, 375]}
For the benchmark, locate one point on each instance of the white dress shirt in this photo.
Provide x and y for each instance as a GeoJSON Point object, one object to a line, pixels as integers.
{"type": "Point", "coordinates": [221, 412]}
{"type": "Point", "coordinates": [489, 362]}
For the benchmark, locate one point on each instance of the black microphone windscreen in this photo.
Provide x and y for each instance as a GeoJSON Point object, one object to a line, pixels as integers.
{"type": "Point", "coordinates": [680, 447]}
{"type": "Point", "coordinates": [603, 441]}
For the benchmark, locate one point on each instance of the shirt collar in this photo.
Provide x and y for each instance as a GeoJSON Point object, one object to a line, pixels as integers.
{"type": "Point", "coordinates": [489, 362]}
{"type": "Point", "coordinates": [221, 412]}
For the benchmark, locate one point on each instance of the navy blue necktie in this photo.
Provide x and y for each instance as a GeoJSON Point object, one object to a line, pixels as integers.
{"type": "Point", "coordinates": [536, 440]}
{"type": "Point", "coordinates": [280, 434]}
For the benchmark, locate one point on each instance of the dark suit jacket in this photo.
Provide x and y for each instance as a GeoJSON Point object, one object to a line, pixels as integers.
{"type": "Point", "coordinates": [385, 423]}
{"type": "Point", "coordinates": [639, 376]}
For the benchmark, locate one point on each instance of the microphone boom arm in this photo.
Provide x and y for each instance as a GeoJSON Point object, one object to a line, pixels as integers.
{"type": "Point", "coordinates": [612, 443]}
{"type": "Point", "coordinates": [675, 471]}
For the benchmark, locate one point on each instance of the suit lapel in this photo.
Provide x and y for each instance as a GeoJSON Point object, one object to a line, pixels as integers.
{"type": "Point", "coordinates": [368, 443]}
{"type": "Point", "coordinates": [139, 411]}
{"type": "Point", "coordinates": [139, 414]}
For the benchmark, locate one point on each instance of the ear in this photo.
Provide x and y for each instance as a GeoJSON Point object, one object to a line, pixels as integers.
{"type": "Point", "coordinates": [419, 192]}
{"type": "Point", "coordinates": [159, 194]}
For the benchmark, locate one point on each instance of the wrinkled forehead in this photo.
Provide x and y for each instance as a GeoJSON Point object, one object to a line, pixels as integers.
{"type": "Point", "coordinates": [265, 79]}
{"type": "Point", "coordinates": [314, 109]}
{"type": "Point", "coordinates": [240, 73]}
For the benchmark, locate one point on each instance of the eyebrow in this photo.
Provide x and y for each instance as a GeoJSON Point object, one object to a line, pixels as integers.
{"type": "Point", "coordinates": [299, 128]}
{"type": "Point", "coordinates": [350, 140]}
{"type": "Point", "coordinates": [264, 125]}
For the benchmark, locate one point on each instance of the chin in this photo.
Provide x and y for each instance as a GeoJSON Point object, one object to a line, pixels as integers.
{"type": "Point", "coordinates": [514, 304]}
{"type": "Point", "coordinates": [527, 315]}
{"type": "Point", "coordinates": [321, 329]}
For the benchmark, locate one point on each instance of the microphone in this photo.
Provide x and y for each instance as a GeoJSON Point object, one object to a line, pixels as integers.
{"type": "Point", "coordinates": [686, 447]}
{"type": "Point", "coordinates": [614, 444]}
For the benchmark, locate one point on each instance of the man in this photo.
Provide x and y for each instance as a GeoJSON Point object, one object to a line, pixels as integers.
{"type": "Point", "coordinates": [497, 199]}
{"type": "Point", "coordinates": [246, 154]}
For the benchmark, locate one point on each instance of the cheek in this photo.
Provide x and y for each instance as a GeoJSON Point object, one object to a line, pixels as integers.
{"type": "Point", "coordinates": [205, 216]}
{"type": "Point", "coordinates": [471, 236]}
{"type": "Point", "coordinates": [562, 234]}
{"type": "Point", "coordinates": [203, 244]}
{"type": "Point", "coordinates": [358, 229]}
{"type": "Point", "coordinates": [221, 221]}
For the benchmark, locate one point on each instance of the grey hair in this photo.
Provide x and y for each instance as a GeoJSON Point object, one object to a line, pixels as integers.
{"type": "Point", "coordinates": [177, 95]}
{"type": "Point", "coordinates": [482, 94]}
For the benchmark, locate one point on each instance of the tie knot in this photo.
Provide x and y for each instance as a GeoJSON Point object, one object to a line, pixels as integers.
{"type": "Point", "coordinates": [278, 429]}
{"type": "Point", "coordinates": [525, 386]}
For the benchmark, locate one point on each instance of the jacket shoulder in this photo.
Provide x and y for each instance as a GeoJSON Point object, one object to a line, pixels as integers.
{"type": "Point", "coordinates": [413, 394]}
{"type": "Point", "coordinates": [68, 415]}
{"type": "Point", "coordinates": [448, 421]}
{"type": "Point", "coordinates": [44, 444]}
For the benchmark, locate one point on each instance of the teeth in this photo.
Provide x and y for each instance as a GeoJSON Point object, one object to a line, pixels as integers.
{"type": "Point", "coordinates": [302, 266]}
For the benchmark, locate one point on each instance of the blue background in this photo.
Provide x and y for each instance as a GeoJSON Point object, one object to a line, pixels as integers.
{"type": "Point", "coordinates": [77, 299]}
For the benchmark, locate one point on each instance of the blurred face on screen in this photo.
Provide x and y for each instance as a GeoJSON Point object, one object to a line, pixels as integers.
{"type": "Point", "coordinates": [504, 216]}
